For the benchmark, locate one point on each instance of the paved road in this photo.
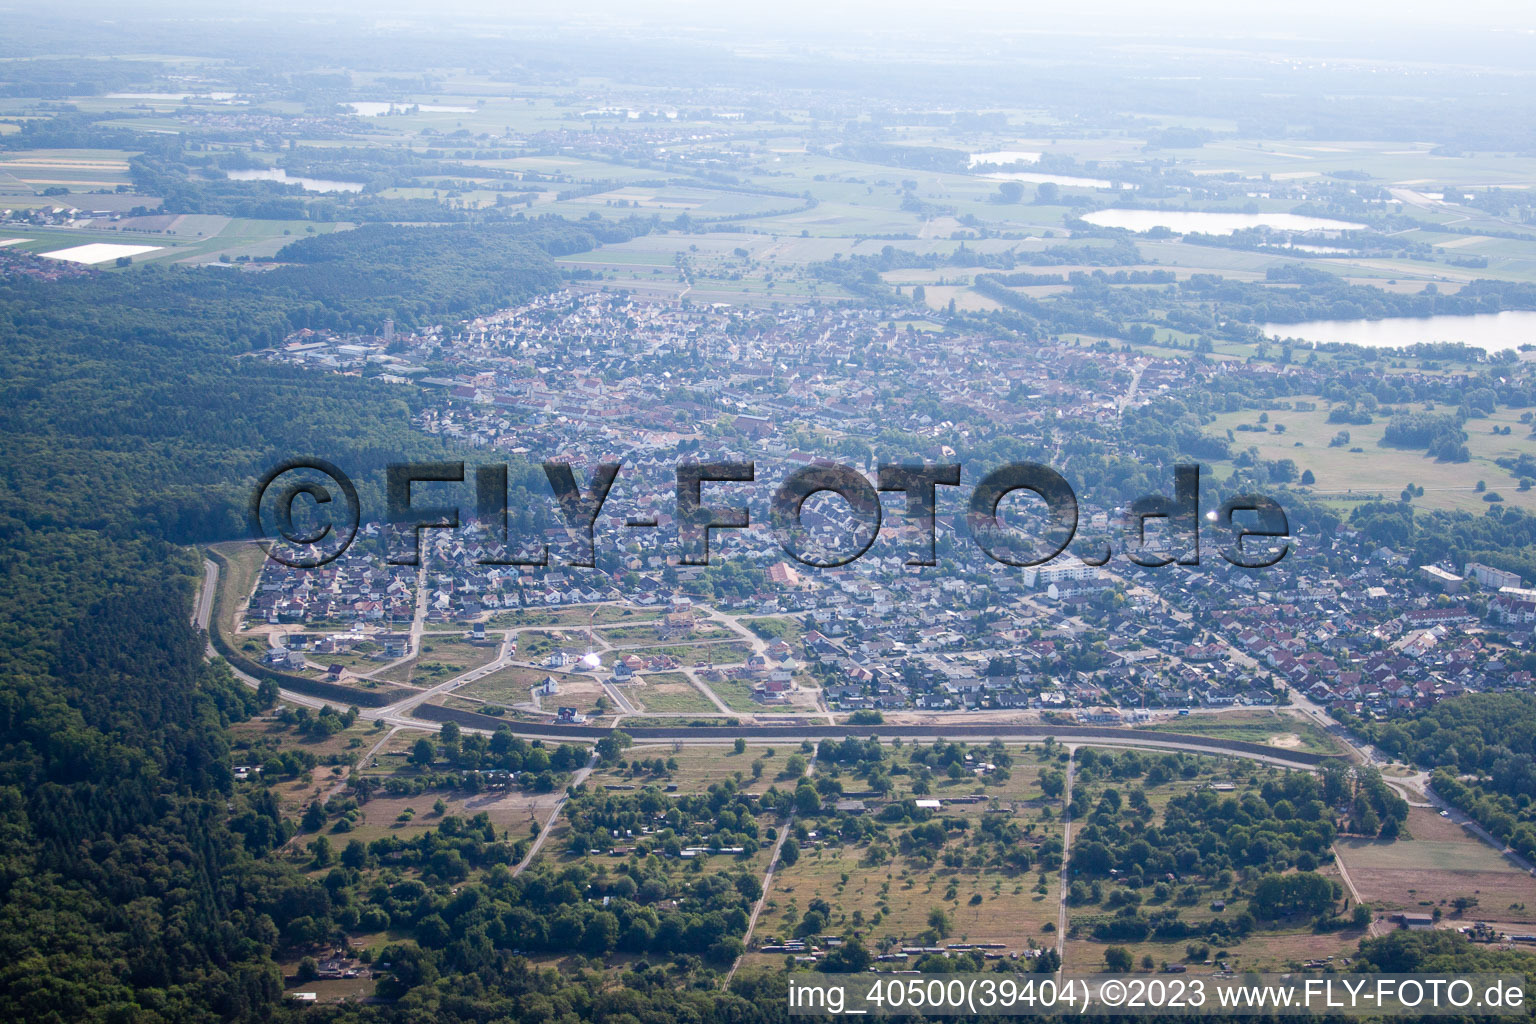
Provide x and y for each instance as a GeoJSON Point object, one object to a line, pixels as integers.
{"type": "Point", "coordinates": [202, 608]}
{"type": "Point", "coordinates": [709, 694]}
{"type": "Point", "coordinates": [619, 699]}
{"type": "Point", "coordinates": [399, 713]}
{"type": "Point", "coordinates": [418, 624]}
{"type": "Point", "coordinates": [400, 710]}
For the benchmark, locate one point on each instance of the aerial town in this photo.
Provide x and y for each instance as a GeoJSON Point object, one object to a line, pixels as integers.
{"type": "Point", "coordinates": [585, 377]}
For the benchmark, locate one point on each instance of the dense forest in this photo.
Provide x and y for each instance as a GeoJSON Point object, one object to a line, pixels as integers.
{"type": "Point", "coordinates": [127, 408]}
{"type": "Point", "coordinates": [130, 422]}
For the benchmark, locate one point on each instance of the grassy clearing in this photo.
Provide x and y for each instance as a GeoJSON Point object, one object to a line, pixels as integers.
{"type": "Point", "coordinates": [511, 811]}
{"type": "Point", "coordinates": [670, 692]}
{"type": "Point", "coordinates": [237, 578]}
{"type": "Point", "coordinates": [506, 686]}
{"type": "Point", "coordinates": [1376, 468]}
{"type": "Point", "coordinates": [688, 655]}
{"type": "Point", "coordinates": [573, 616]}
{"type": "Point", "coordinates": [698, 768]}
{"type": "Point", "coordinates": [628, 635]}
{"type": "Point", "coordinates": [1270, 726]}
{"type": "Point", "coordinates": [439, 661]}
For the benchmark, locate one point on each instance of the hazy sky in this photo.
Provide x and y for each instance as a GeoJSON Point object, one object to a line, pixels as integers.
{"type": "Point", "coordinates": [814, 17]}
{"type": "Point", "coordinates": [1298, 18]}
{"type": "Point", "coordinates": [1468, 33]}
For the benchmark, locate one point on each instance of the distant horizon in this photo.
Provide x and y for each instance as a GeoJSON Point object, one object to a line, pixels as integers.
{"type": "Point", "coordinates": [1372, 30]}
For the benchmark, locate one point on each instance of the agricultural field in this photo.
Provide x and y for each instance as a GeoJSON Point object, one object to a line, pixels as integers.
{"type": "Point", "coordinates": [1439, 863]}
{"type": "Point", "coordinates": [162, 238]}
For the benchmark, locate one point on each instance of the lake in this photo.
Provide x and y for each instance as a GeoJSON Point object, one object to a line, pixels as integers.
{"type": "Point", "coordinates": [1325, 250]}
{"type": "Point", "coordinates": [308, 184]}
{"type": "Point", "coordinates": [1003, 157]}
{"type": "Point", "coordinates": [371, 109]}
{"type": "Point", "coordinates": [1491, 332]}
{"type": "Point", "coordinates": [1209, 223]}
{"type": "Point", "coordinates": [1030, 177]}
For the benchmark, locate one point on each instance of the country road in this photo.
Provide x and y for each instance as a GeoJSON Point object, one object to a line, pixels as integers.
{"type": "Point", "coordinates": [762, 897]}
{"type": "Point", "coordinates": [554, 815]}
{"type": "Point", "coordinates": [1349, 883]}
{"type": "Point", "coordinates": [1066, 853]}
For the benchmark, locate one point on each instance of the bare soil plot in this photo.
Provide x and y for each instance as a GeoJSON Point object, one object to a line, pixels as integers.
{"type": "Point", "coordinates": [1439, 864]}
{"type": "Point", "coordinates": [635, 634]}
{"type": "Point", "coordinates": [579, 692]}
{"type": "Point", "coordinates": [511, 811]}
{"type": "Point", "coordinates": [575, 616]}
{"type": "Point", "coordinates": [669, 691]}
{"type": "Point", "coordinates": [690, 655]}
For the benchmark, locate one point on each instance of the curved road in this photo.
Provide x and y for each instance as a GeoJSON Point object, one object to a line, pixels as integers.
{"type": "Point", "coordinates": [399, 714]}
